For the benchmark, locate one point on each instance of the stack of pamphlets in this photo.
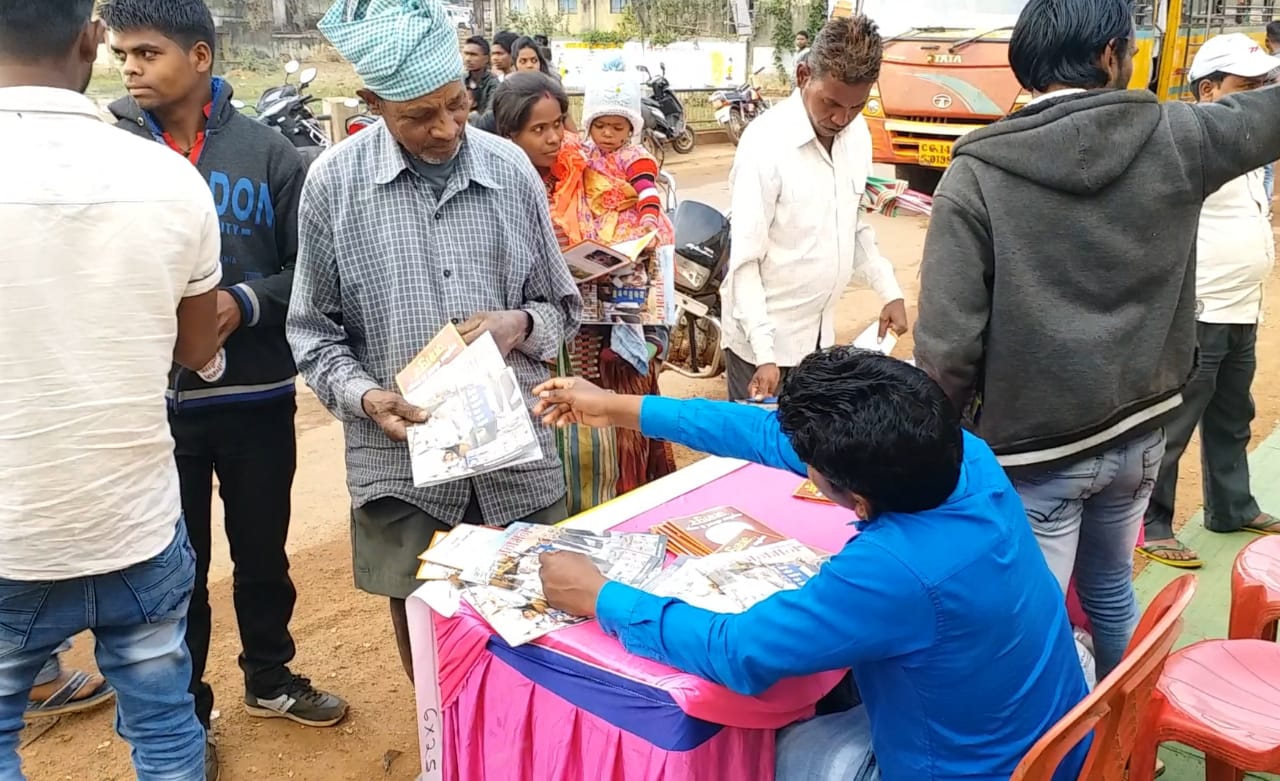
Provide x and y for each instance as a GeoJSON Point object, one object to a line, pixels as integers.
{"type": "Point", "coordinates": [479, 421]}
{"type": "Point", "coordinates": [715, 530]}
{"type": "Point", "coordinates": [732, 582]}
{"type": "Point", "coordinates": [497, 570]}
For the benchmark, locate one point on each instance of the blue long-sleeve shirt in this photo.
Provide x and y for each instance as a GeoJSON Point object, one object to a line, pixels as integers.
{"type": "Point", "coordinates": [955, 629]}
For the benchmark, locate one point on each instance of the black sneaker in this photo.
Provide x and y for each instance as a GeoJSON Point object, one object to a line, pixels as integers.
{"type": "Point", "coordinates": [300, 702]}
{"type": "Point", "coordinates": [210, 759]}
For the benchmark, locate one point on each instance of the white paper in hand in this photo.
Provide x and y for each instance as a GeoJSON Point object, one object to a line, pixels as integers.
{"type": "Point", "coordinates": [870, 340]}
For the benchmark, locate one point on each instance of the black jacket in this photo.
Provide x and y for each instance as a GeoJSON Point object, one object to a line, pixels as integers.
{"type": "Point", "coordinates": [1058, 281]}
{"type": "Point", "coordinates": [255, 176]}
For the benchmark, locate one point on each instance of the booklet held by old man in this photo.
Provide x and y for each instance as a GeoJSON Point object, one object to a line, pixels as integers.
{"type": "Point", "coordinates": [479, 421]}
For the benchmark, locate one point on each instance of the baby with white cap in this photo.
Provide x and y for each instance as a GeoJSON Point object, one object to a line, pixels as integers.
{"type": "Point", "coordinates": [612, 119]}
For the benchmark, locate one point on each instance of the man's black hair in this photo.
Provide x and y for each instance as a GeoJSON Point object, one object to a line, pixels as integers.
{"type": "Point", "coordinates": [506, 39]}
{"type": "Point", "coordinates": [806, 35]}
{"type": "Point", "coordinates": [515, 97]}
{"type": "Point", "coordinates": [41, 30]}
{"type": "Point", "coordinates": [874, 426]}
{"type": "Point", "coordinates": [185, 22]}
{"type": "Point", "coordinates": [1063, 41]}
{"type": "Point", "coordinates": [1273, 31]}
{"type": "Point", "coordinates": [478, 40]}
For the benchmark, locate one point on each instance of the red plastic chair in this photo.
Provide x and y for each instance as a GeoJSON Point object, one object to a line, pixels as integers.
{"type": "Point", "coordinates": [1113, 711]}
{"type": "Point", "coordinates": [1255, 591]}
{"type": "Point", "coordinates": [1222, 697]}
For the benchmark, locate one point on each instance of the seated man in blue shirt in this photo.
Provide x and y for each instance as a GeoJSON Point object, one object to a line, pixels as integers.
{"type": "Point", "coordinates": [942, 605]}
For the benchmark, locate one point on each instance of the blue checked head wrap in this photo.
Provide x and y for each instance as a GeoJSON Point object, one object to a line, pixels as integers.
{"type": "Point", "coordinates": [401, 49]}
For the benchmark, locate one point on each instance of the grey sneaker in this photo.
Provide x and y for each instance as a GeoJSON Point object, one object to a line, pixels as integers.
{"type": "Point", "coordinates": [210, 759]}
{"type": "Point", "coordinates": [300, 702]}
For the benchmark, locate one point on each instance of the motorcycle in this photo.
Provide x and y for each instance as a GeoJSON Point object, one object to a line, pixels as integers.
{"type": "Point", "coordinates": [736, 108]}
{"type": "Point", "coordinates": [702, 259]}
{"type": "Point", "coordinates": [359, 121]}
{"type": "Point", "coordinates": [664, 115]}
{"type": "Point", "coordinates": [286, 108]}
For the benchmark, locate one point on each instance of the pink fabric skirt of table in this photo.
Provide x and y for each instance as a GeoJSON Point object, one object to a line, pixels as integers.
{"type": "Point", "coordinates": [504, 727]}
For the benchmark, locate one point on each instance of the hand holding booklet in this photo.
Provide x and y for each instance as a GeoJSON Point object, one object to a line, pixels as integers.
{"type": "Point", "coordinates": [479, 421]}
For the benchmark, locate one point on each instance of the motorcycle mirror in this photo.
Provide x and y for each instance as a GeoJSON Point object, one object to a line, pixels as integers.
{"type": "Point", "coordinates": [662, 66]}
{"type": "Point", "coordinates": [351, 103]}
{"type": "Point", "coordinates": [291, 67]}
{"type": "Point", "coordinates": [238, 105]}
{"type": "Point", "coordinates": [308, 76]}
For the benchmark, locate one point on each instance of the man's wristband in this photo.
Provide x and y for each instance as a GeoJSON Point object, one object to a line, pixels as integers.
{"type": "Point", "coordinates": [528, 324]}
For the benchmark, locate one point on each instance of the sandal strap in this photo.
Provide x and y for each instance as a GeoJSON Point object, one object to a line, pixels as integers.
{"type": "Point", "coordinates": [68, 691]}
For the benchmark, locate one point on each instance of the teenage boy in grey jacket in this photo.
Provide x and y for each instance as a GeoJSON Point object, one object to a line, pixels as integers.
{"type": "Point", "coordinates": [1057, 302]}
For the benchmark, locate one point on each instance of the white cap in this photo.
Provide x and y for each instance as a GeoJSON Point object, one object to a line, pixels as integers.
{"type": "Point", "coordinates": [1234, 54]}
{"type": "Point", "coordinates": [613, 94]}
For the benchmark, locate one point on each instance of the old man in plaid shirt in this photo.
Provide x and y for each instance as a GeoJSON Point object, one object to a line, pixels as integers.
{"type": "Point", "coordinates": [403, 229]}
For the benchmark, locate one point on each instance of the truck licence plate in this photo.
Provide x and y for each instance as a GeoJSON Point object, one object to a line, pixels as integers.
{"type": "Point", "coordinates": [722, 114]}
{"type": "Point", "coordinates": [935, 154]}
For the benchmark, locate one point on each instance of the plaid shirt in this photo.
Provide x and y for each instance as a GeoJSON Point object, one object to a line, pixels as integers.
{"type": "Point", "coordinates": [383, 265]}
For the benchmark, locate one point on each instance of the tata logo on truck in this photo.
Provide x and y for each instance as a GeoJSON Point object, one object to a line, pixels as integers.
{"type": "Point", "coordinates": [944, 59]}
{"type": "Point", "coordinates": [942, 101]}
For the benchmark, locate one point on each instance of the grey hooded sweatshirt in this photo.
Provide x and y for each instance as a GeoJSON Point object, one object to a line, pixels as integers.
{"type": "Point", "coordinates": [1057, 300]}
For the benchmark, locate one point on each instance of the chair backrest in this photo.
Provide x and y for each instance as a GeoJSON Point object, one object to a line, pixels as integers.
{"type": "Point", "coordinates": [1113, 711]}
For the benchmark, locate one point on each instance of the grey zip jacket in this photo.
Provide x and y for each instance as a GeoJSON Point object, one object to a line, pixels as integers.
{"type": "Point", "coordinates": [1057, 302]}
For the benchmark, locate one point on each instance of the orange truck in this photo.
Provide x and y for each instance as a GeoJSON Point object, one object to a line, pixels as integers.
{"type": "Point", "coordinates": [946, 67]}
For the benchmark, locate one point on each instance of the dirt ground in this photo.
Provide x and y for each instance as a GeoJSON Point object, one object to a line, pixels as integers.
{"type": "Point", "coordinates": [343, 636]}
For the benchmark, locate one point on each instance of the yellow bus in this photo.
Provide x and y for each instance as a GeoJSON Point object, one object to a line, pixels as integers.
{"type": "Point", "coordinates": [946, 67]}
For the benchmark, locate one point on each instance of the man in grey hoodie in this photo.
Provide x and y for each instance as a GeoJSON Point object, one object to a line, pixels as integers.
{"type": "Point", "coordinates": [1057, 302]}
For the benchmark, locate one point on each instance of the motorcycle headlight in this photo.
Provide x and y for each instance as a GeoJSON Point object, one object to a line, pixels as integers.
{"type": "Point", "coordinates": [691, 275]}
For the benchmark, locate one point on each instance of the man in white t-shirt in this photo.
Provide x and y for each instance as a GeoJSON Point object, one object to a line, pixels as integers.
{"type": "Point", "coordinates": [108, 274]}
{"type": "Point", "coordinates": [1235, 251]}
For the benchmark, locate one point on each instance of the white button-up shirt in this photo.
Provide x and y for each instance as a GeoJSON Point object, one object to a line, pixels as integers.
{"type": "Point", "coordinates": [1235, 251]}
{"type": "Point", "coordinates": [798, 236]}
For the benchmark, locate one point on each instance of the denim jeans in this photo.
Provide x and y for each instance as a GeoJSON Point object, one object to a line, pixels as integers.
{"type": "Point", "coordinates": [138, 618]}
{"type": "Point", "coordinates": [828, 748]}
{"type": "Point", "coordinates": [1269, 180]}
{"type": "Point", "coordinates": [1086, 516]}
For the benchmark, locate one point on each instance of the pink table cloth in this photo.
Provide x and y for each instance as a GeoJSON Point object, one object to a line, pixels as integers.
{"type": "Point", "coordinates": [576, 705]}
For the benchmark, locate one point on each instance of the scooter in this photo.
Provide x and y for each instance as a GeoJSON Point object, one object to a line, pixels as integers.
{"type": "Point", "coordinates": [360, 121]}
{"type": "Point", "coordinates": [664, 115]}
{"type": "Point", "coordinates": [702, 259]}
{"type": "Point", "coordinates": [286, 109]}
{"type": "Point", "coordinates": [736, 108]}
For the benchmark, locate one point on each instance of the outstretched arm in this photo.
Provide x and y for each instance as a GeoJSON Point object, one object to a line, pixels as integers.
{"type": "Point", "coordinates": [720, 428]}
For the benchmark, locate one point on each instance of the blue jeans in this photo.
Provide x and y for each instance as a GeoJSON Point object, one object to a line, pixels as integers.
{"type": "Point", "coordinates": [1269, 180]}
{"type": "Point", "coordinates": [138, 618]}
{"type": "Point", "coordinates": [828, 748]}
{"type": "Point", "coordinates": [1086, 516]}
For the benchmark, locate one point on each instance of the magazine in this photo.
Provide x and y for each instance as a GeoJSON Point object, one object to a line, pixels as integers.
{"type": "Point", "coordinates": [870, 340]}
{"type": "Point", "coordinates": [479, 420]}
{"type": "Point", "coordinates": [734, 582]}
{"type": "Point", "coordinates": [720, 528]}
{"type": "Point", "coordinates": [642, 293]}
{"type": "Point", "coordinates": [591, 260]}
{"type": "Point", "coordinates": [810, 493]}
{"type": "Point", "coordinates": [506, 588]}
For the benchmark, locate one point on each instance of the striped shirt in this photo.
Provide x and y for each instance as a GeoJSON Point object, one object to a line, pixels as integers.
{"type": "Point", "coordinates": [383, 265]}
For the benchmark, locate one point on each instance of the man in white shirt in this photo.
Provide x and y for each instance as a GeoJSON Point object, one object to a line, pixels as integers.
{"type": "Point", "coordinates": [108, 275]}
{"type": "Point", "coordinates": [1235, 253]}
{"type": "Point", "coordinates": [798, 236]}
